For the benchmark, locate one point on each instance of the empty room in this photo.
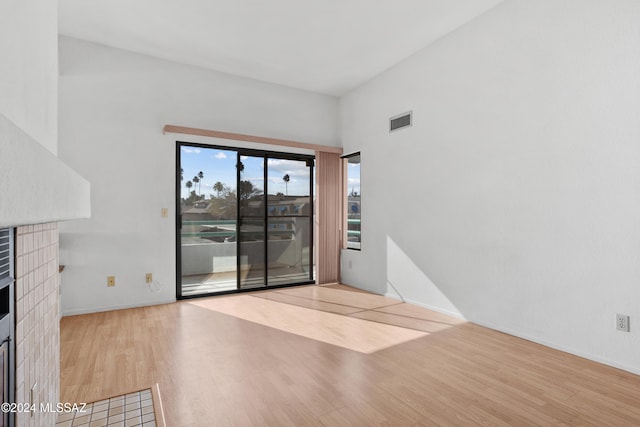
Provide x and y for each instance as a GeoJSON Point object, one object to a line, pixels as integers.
{"type": "Point", "coordinates": [337, 213]}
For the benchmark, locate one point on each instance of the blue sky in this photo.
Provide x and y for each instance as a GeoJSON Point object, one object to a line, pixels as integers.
{"type": "Point", "coordinates": [353, 177]}
{"type": "Point", "coordinates": [219, 165]}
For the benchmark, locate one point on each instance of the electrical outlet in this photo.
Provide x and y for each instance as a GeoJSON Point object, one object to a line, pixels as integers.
{"type": "Point", "coordinates": [149, 278]}
{"type": "Point", "coordinates": [622, 322]}
{"type": "Point", "coordinates": [111, 281]}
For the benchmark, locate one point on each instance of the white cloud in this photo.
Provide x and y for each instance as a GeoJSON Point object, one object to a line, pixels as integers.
{"type": "Point", "coordinates": [276, 162]}
{"type": "Point", "coordinates": [220, 155]}
{"type": "Point", "coordinates": [280, 167]}
{"type": "Point", "coordinates": [190, 150]}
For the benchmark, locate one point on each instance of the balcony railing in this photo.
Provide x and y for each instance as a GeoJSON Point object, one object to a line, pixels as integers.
{"type": "Point", "coordinates": [351, 225]}
{"type": "Point", "coordinates": [189, 228]}
{"type": "Point", "coordinates": [353, 228]}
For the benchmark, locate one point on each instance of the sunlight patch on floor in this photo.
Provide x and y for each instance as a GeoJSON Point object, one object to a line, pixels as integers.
{"type": "Point", "coordinates": [348, 332]}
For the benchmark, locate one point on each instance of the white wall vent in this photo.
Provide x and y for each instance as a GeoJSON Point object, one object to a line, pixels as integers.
{"type": "Point", "coordinates": [401, 121]}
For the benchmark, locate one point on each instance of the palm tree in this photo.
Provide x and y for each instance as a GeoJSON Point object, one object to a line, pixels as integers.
{"type": "Point", "coordinates": [248, 190]}
{"type": "Point", "coordinates": [218, 187]}
{"type": "Point", "coordinates": [189, 184]}
{"type": "Point", "coordinates": [196, 180]}
{"type": "Point", "coordinates": [286, 179]}
{"type": "Point", "coordinates": [200, 176]}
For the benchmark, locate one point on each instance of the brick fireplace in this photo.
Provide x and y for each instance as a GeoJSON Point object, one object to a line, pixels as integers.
{"type": "Point", "coordinates": [37, 321]}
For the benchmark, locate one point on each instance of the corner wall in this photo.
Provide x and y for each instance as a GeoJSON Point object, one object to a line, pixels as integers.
{"type": "Point", "coordinates": [113, 105]}
{"type": "Point", "coordinates": [35, 186]}
{"type": "Point", "coordinates": [513, 199]}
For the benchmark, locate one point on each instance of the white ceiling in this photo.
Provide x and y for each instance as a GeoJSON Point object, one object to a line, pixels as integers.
{"type": "Point", "coordinates": [325, 46]}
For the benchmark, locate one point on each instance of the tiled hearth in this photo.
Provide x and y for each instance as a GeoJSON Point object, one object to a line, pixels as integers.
{"type": "Point", "coordinates": [133, 409]}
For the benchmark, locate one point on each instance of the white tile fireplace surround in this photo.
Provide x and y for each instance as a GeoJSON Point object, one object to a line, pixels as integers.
{"type": "Point", "coordinates": [37, 335]}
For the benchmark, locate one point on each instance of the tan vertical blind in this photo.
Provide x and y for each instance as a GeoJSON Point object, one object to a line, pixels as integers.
{"type": "Point", "coordinates": [328, 216]}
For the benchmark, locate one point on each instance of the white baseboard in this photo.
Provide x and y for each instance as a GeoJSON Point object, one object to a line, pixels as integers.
{"type": "Point", "coordinates": [537, 340]}
{"type": "Point", "coordinates": [565, 349]}
{"type": "Point", "coordinates": [427, 306]}
{"type": "Point", "coordinates": [455, 314]}
{"type": "Point", "coordinates": [393, 296]}
{"type": "Point", "coordinates": [77, 311]}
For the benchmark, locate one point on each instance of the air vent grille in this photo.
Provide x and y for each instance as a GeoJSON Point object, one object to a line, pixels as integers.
{"type": "Point", "coordinates": [401, 121]}
{"type": "Point", "coordinates": [6, 256]}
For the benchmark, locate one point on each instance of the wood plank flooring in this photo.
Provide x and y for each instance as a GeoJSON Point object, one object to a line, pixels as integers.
{"type": "Point", "coordinates": [218, 363]}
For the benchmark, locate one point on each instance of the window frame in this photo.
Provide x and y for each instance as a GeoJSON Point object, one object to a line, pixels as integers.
{"type": "Point", "coordinates": [346, 205]}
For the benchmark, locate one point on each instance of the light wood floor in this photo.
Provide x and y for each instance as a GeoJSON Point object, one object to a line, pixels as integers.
{"type": "Point", "coordinates": [334, 356]}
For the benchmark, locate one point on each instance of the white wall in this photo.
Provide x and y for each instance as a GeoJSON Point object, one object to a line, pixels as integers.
{"type": "Point", "coordinates": [29, 71]}
{"type": "Point", "coordinates": [514, 197]}
{"type": "Point", "coordinates": [113, 105]}
{"type": "Point", "coordinates": [35, 186]}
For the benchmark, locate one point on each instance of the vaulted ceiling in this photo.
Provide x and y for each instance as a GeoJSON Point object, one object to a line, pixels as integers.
{"type": "Point", "coordinates": [324, 46]}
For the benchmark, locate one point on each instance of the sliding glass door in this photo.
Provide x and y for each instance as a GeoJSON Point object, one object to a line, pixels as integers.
{"type": "Point", "coordinates": [245, 219]}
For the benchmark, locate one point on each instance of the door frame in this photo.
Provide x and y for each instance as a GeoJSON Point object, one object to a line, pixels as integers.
{"type": "Point", "coordinates": [266, 154]}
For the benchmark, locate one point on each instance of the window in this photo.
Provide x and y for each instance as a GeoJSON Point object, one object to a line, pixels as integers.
{"type": "Point", "coordinates": [353, 204]}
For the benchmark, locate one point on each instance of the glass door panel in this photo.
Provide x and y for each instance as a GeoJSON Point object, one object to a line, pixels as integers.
{"type": "Point", "coordinates": [208, 211]}
{"type": "Point", "coordinates": [289, 226]}
{"type": "Point", "coordinates": [251, 237]}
